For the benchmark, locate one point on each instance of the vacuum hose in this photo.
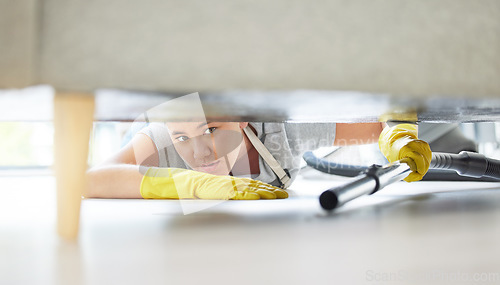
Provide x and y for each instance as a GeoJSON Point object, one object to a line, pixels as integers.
{"type": "Point", "coordinates": [467, 163]}
{"type": "Point", "coordinates": [376, 177]}
{"type": "Point", "coordinates": [439, 169]}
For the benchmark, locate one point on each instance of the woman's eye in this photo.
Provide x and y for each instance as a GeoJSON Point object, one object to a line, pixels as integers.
{"type": "Point", "coordinates": [182, 138]}
{"type": "Point", "coordinates": [210, 130]}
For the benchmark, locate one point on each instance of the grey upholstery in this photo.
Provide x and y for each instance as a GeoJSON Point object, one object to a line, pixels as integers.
{"type": "Point", "coordinates": [404, 48]}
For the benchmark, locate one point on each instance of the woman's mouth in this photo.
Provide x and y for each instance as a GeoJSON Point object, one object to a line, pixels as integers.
{"type": "Point", "coordinates": [208, 167]}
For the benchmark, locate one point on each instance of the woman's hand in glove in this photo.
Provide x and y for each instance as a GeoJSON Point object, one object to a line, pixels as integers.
{"type": "Point", "coordinates": [400, 142]}
{"type": "Point", "coordinates": [176, 183]}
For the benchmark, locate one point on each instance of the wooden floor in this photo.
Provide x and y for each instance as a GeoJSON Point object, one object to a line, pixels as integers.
{"type": "Point", "coordinates": [420, 233]}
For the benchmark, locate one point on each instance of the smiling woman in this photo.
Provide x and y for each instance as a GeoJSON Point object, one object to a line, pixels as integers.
{"type": "Point", "coordinates": [209, 151]}
{"type": "Point", "coordinates": [251, 153]}
{"type": "Point", "coordinates": [213, 147]}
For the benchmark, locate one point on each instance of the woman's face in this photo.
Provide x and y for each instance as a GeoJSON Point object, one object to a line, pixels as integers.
{"type": "Point", "coordinates": [211, 147]}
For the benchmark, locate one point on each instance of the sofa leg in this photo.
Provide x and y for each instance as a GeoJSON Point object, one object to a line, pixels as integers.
{"type": "Point", "coordinates": [73, 118]}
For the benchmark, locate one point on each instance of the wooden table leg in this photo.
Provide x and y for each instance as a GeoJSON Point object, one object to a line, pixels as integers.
{"type": "Point", "coordinates": [73, 117]}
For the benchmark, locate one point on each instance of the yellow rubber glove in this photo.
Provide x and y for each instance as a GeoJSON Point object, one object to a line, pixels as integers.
{"type": "Point", "coordinates": [176, 183]}
{"type": "Point", "coordinates": [400, 142]}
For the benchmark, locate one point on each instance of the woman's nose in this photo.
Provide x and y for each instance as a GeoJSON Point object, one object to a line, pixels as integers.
{"type": "Point", "coordinates": [201, 148]}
